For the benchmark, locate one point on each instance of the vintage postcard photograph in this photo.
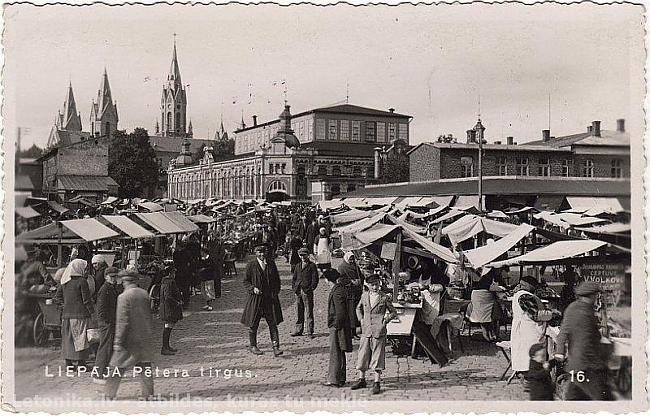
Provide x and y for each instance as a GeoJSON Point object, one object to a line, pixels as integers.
{"type": "Point", "coordinates": [378, 208]}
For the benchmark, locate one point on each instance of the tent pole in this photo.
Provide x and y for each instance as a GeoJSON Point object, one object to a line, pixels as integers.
{"type": "Point", "coordinates": [59, 248]}
{"type": "Point", "coordinates": [396, 264]}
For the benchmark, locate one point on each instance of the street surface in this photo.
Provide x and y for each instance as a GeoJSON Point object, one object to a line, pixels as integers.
{"type": "Point", "coordinates": [216, 342]}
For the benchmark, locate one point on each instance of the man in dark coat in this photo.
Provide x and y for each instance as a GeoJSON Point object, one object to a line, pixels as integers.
{"type": "Point", "coordinates": [340, 333]}
{"type": "Point", "coordinates": [579, 330]}
{"type": "Point", "coordinates": [310, 235]}
{"type": "Point", "coordinates": [262, 283]}
{"type": "Point", "coordinates": [304, 282]}
{"type": "Point", "coordinates": [106, 309]}
{"type": "Point", "coordinates": [294, 245]}
{"type": "Point", "coordinates": [183, 271]}
{"type": "Point", "coordinates": [171, 309]}
{"type": "Point", "coordinates": [349, 269]}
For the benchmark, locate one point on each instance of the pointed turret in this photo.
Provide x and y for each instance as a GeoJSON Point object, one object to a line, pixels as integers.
{"type": "Point", "coordinates": [174, 71]}
{"type": "Point", "coordinates": [190, 129]}
{"type": "Point", "coordinates": [103, 113]}
{"type": "Point", "coordinates": [70, 119]}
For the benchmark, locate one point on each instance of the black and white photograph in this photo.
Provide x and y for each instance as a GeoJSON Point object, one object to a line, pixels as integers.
{"type": "Point", "coordinates": [385, 208]}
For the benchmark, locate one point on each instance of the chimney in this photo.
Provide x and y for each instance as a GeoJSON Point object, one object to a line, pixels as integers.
{"type": "Point", "coordinates": [391, 110]}
{"type": "Point", "coordinates": [377, 161]}
{"type": "Point", "coordinates": [595, 129]}
{"type": "Point", "coordinates": [254, 121]}
{"type": "Point", "coordinates": [620, 125]}
{"type": "Point", "coordinates": [510, 140]}
{"type": "Point", "coordinates": [546, 135]}
{"type": "Point", "coordinates": [589, 129]}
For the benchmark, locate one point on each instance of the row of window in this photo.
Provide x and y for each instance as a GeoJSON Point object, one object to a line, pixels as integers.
{"type": "Point", "coordinates": [522, 167]}
{"type": "Point", "coordinates": [350, 130]}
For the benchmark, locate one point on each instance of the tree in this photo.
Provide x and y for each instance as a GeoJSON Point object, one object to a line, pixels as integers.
{"type": "Point", "coordinates": [32, 152]}
{"type": "Point", "coordinates": [132, 163]}
{"type": "Point", "coordinates": [221, 149]}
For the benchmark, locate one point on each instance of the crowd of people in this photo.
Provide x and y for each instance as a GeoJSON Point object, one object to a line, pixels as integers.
{"type": "Point", "coordinates": [108, 310]}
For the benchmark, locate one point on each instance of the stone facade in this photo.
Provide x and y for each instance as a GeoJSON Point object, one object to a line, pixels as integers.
{"type": "Point", "coordinates": [283, 167]}
{"type": "Point", "coordinates": [583, 155]}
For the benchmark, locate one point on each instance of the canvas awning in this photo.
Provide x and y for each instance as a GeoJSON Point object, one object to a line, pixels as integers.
{"type": "Point", "coordinates": [362, 224]}
{"type": "Point", "coordinates": [409, 201]}
{"type": "Point", "coordinates": [81, 200]}
{"type": "Point", "coordinates": [334, 203]}
{"type": "Point", "coordinates": [497, 214]}
{"type": "Point", "coordinates": [471, 225]}
{"type": "Point", "coordinates": [182, 221]}
{"type": "Point", "coordinates": [350, 216]}
{"type": "Point", "coordinates": [437, 250]}
{"type": "Point", "coordinates": [578, 219]}
{"type": "Point", "coordinates": [201, 219]}
{"type": "Point", "coordinates": [595, 205]}
{"type": "Point", "coordinates": [128, 226]}
{"type": "Point", "coordinates": [610, 229]}
{"type": "Point", "coordinates": [89, 229]}
{"type": "Point", "coordinates": [354, 202]}
{"type": "Point", "coordinates": [558, 250]}
{"type": "Point", "coordinates": [57, 207]}
{"type": "Point", "coordinates": [441, 201]}
{"type": "Point", "coordinates": [358, 240]}
{"type": "Point", "coordinates": [448, 216]}
{"type": "Point", "coordinates": [26, 212]}
{"type": "Point", "coordinates": [49, 234]}
{"type": "Point", "coordinates": [159, 222]}
{"type": "Point", "coordinates": [549, 203]}
{"type": "Point", "coordinates": [110, 200]}
{"type": "Point", "coordinates": [151, 206]}
{"type": "Point", "coordinates": [521, 210]}
{"type": "Point", "coordinates": [480, 256]}
{"type": "Point", "coordinates": [466, 201]}
{"type": "Point", "coordinates": [381, 201]}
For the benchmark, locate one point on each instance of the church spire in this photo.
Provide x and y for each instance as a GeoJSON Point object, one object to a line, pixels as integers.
{"type": "Point", "coordinates": [70, 119]}
{"type": "Point", "coordinates": [174, 71]}
{"type": "Point", "coordinates": [103, 113]}
{"type": "Point", "coordinates": [104, 98]}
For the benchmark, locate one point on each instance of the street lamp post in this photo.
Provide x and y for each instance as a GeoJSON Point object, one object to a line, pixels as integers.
{"type": "Point", "coordinates": [480, 129]}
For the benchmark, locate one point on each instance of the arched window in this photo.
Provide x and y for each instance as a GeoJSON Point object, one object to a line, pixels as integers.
{"type": "Point", "coordinates": [277, 186]}
{"type": "Point", "coordinates": [177, 122]}
{"type": "Point", "coordinates": [169, 121]}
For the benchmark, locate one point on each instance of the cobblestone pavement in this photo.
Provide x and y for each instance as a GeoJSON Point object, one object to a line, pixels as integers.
{"type": "Point", "coordinates": [216, 342]}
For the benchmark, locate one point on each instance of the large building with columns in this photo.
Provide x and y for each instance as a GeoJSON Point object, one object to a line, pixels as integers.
{"type": "Point", "coordinates": [313, 155]}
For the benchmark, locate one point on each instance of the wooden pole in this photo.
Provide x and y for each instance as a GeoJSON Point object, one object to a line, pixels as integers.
{"type": "Point", "coordinates": [396, 264]}
{"type": "Point", "coordinates": [59, 248]}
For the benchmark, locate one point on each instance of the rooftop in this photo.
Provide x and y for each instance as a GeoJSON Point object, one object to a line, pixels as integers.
{"type": "Point", "coordinates": [606, 138]}
{"type": "Point", "coordinates": [502, 185]}
{"type": "Point", "coordinates": [340, 109]}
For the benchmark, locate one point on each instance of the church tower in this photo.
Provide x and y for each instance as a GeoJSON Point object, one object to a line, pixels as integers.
{"type": "Point", "coordinates": [173, 104]}
{"type": "Point", "coordinates": [103, 113]}
{"type": "Point", "coordinates": [70, 119]}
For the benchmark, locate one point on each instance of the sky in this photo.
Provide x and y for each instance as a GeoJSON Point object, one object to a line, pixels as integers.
{"type": "Point", "coordinates": [435, 63]}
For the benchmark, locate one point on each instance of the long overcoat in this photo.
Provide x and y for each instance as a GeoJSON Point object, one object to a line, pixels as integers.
{"type": "Point", "coordinates": [133, 328]}
{"type": "Point", "coordinates": [338, 316]}
{"type": "Point", "coordinates": [267, 304]}
{"type": "Point", "coordinates": [171, 301]}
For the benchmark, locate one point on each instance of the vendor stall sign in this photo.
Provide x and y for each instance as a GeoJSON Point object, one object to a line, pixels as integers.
{"type": "Point", "coordinates": [611, 277]}
{"type": "Point", "coordinates": [388, 251]}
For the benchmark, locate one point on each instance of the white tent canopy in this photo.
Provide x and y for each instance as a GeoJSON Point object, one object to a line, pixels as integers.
{"type": "Point", "coordinates": [471, 225]}
{"type": "Point", "coordinates": [480, 256]}
{"type": "Point", "coordinates": [558, 250]}
{"type": "Point", "coordinates": [594, 205]}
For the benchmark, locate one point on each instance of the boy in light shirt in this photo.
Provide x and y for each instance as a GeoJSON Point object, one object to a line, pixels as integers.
{"type": "Point", "coordinates": [371, 312]}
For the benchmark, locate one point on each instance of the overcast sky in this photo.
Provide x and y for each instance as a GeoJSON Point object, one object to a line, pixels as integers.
{"type": "Point", "coordinates": [430, 62]}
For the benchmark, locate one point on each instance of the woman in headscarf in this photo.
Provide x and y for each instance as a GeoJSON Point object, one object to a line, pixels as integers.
{"type": "Point", "coordinates": [74, 295]}
{"type": "Point", "coordinates": [349, 269]}
{"type": "Point", "coordinates": [323, 250]}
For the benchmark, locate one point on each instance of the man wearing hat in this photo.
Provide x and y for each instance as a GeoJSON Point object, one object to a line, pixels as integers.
{"type": "Point", "coordinates": [262, 283]}
{"type": "Point", "coordinates": [106, 309]}
{"type": "Point", "coordinates": [529, 317]}
{"type": "Point", "coordinates": [579, 330]}
{"type": "Point", "coordinates": [132, 347]}
{"type": "Point", "coordinates": [305, 280]}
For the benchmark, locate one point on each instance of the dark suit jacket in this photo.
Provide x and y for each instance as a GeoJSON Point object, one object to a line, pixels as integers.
{"type": "Point", "coordinates": [305, 277]}
{"type": "Point", "coordinates": [338, 318]}
{"type": "Point", "coordinates": [267, 303]}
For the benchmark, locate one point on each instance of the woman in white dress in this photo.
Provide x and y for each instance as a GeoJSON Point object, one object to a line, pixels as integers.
{"type": "Point", "coordinates": [323, 250]}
